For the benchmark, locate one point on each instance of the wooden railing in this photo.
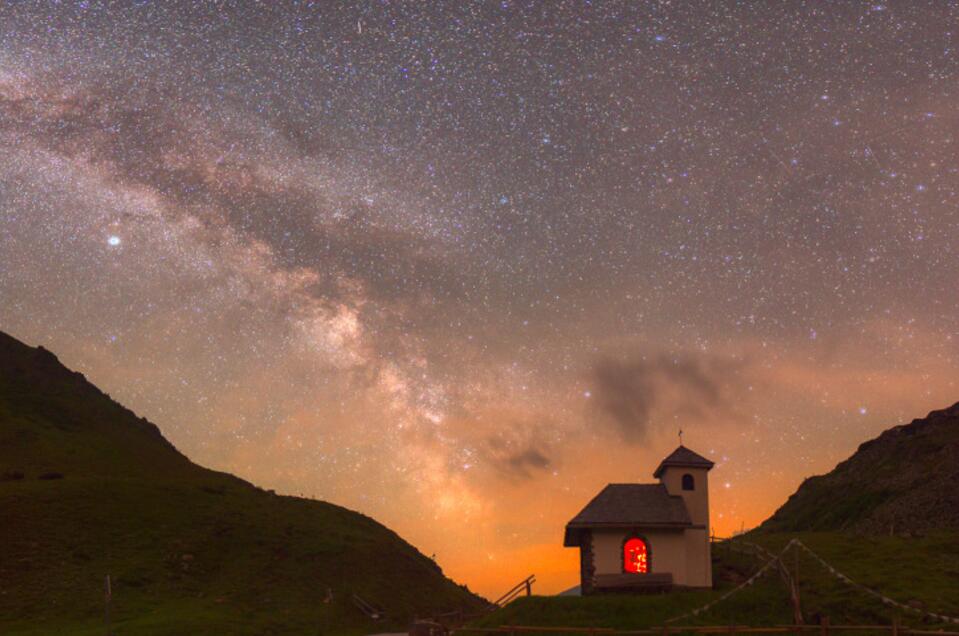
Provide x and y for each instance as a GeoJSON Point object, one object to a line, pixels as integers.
{"type": "Point", "coordinates": [372, 611]}
{"type": "Point", "coordinates": [823, 629]}
{"type": "Point", "coordinates": [526, 585]}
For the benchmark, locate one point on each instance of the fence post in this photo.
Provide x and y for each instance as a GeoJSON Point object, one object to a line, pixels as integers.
{"type": "Point", "coordinates": [824, 626]}
{"type": "Point", "coordinates": [796, 581]}
{"type": "Point", "coordinates": [107, 598]}
{"type": "Point", "coordinates": [895, 625]}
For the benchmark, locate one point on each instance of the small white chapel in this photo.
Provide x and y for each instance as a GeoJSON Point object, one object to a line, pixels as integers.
{"type": "Point", "coordinates": [647, 537]}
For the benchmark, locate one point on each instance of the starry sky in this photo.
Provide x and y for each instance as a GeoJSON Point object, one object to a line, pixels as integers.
{"type": "Point", "coordinates": [457, 265]}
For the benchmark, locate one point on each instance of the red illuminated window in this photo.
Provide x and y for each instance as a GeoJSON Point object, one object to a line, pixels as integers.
{"type": "Point", "coordinates": [635, 556]}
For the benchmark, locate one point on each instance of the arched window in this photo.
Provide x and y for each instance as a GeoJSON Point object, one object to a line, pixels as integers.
{"type": "Point", "coordinates": [635, 556]}
{"type": "Point", "coordinates": [688, 482]}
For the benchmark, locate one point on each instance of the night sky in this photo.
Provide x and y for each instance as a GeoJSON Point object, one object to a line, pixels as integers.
{"type": "Point", "coordinates": [459, 265]}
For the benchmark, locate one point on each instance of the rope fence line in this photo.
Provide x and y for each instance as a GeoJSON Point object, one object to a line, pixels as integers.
{"type": "Point", "coordinates": [882, 597]}
{"type": "Point", "coordinates": [704, 608]}
{"type": "Point", "coordinates": [775, 559]}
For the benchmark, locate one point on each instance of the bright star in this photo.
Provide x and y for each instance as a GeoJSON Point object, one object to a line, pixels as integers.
{"type": "Point", "coordinates": [113, 241]}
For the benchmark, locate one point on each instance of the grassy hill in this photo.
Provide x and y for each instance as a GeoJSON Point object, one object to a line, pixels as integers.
{"type": "Point", "coordinates": [888, 518]}
{"type": "Point", "coordinates": [89, 489]}
{"type": "Point", "coordinates": [905, 481]}
{"type": "Point", "coordinates": [923, 572]}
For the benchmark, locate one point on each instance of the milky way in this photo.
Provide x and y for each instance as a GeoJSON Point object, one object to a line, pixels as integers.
{"type": "Point", "coordinates": [458, 265]}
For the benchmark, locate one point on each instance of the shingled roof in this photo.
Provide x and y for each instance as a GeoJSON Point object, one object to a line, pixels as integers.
{"type": "Point", "coordinates": [682, 456]}
{"type": "Point", "coordinates": [632, 506]}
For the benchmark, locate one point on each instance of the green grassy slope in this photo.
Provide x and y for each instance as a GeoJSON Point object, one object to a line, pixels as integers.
{"type": "Point", "coordinates": [904, 481]}
{"type": "Point", "coordinates": [888, 517]}
{"type": "Point", "coordinates": [921, 571]}
{"type": "Point", "coordinates": [189, 550]}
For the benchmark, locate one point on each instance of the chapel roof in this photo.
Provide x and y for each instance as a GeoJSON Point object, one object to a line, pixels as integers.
{"type": "Point", "coordinates": [684, 457]}
{"type": "Point", "coordinates": [629, 505]}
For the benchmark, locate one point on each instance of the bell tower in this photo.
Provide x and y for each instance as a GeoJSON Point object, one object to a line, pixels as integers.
{"type": "Point", "coordinates": [686, 473]}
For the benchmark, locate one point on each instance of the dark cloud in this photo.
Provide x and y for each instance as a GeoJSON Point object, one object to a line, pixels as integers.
{"type": "Point", "coordinates": [518, 461]}
{"type": "Point", "coordinates": [634, 394]}
{"type": "Point", "coordinates": [527, 462]}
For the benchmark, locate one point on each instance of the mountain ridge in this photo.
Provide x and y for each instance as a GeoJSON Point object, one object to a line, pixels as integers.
{"type": "Point", "coordinates": [904, 481]}
{"type": "Point", "coordinates": [88, 488]}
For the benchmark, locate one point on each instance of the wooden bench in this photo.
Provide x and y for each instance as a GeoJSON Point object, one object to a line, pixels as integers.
{"type": "Point", "coordinates": [652, 582]}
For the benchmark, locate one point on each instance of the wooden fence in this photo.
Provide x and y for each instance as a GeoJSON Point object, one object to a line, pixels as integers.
{"type": "Point", "coordinates": [523, 587]}
{"type": "Point", "coordinates": [823, 629]}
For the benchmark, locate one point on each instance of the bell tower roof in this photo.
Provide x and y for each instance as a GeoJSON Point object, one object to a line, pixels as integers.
{"type": "Point", "coordinates": [683, 457]}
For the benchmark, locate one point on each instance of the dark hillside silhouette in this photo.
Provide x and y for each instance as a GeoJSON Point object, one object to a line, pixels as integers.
{"type": "Point", "coordinates": [88, 489]}
{"type": "Point", "coordinates": [905, 481]}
